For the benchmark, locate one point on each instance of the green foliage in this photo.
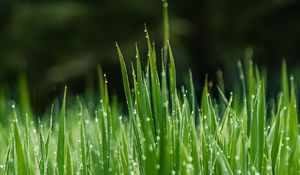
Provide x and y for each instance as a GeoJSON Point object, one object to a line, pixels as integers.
{"type": "Point", "coordinates": [163, 131]}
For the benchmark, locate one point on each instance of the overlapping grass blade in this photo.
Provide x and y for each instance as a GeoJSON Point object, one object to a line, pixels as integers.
{"type": "Point", "coordinates": [61, 137]}
{"type": "Point", "coordinates": [19, 148]}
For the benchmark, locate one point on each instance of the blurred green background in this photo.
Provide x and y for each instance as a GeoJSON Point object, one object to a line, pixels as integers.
{"type": "Point", "coordinates": [61, 42]}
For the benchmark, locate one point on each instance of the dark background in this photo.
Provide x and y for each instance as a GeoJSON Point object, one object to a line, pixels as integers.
{"type": "Point", "coordinates": [59, 43]}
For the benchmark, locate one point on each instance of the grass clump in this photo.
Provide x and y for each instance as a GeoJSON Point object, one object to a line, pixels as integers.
{"type": "Point", "coordinates": [166, 130]}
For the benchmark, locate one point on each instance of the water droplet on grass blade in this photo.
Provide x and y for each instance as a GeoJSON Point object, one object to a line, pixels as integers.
{"type": "Point", "coordinates": [150, 147]}
{"type": "Point", "coordinates": [157, 138]}
{"type": "Point", "coordinates": [237, 157]}
{"type": "Point", "coordinates": [144, 157]}
{"type": "Point", "coordinates": [157, 166]}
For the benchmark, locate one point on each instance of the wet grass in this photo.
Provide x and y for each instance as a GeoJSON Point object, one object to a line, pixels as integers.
{"type": "Point", "coordinates": [165, 130]}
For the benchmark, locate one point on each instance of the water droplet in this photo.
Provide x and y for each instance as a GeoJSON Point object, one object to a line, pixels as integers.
{"type": "Point", "coordinates": [189, 168]}
{"type": "Point", "coordinates": [150, 147]}
{"type": "Point", "coordinates": [157, 166]}
{"type": "Point", "coordinates": [206, 127]}
{"type": "Point", "coordinates": [238, 172]}
{"type": "Point", "coordinates": [104, 114]}
{"type": "Point", "coordinates": [237, 157]}
{"type": "Point", "coordinates": [147, 119]}
{"type": "Point", "coordinates": [157, 138]}
{"type": "Point", "coordinates": [241, 76]}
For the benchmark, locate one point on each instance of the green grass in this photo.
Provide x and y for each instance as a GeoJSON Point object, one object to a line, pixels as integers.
{"type": "Point", "coordinates": [165, 130]}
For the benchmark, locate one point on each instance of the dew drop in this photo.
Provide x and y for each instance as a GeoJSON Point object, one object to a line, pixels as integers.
{"type": "Point", "coordinates": [150, 147]}
{"type": "Point", "coordinates": [157, 166]}
{"type": "Point", "coordinates": [104, 114]}
{"type": "Point", "coordinates": [158, 138]}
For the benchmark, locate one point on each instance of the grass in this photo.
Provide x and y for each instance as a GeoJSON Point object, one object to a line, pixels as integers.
{"type": "Point", "coordinates": [165, 130]}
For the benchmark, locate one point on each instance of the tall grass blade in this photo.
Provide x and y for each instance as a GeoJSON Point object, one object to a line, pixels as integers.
{"type": "Point", "coordinates": [19, 148]}
{"type": "Point", "coordinates": [60, 159]}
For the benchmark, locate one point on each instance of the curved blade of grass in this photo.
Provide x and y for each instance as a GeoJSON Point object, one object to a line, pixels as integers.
{"type": "Point", "coordinates": [130, 106]}
{"type": "Point", "coordinates": [125, 80]}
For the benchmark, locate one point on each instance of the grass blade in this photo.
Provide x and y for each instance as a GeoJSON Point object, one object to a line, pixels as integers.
{"type": "Point", "coordinates": [61, 137]}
